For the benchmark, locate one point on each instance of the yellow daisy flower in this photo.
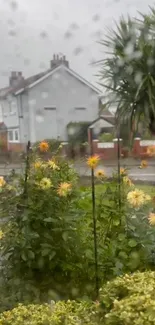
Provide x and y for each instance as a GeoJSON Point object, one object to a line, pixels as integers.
{"type": "Point", "coordinates": [93, 161]}
{"type": "Point", "coordinates": [123, 171]}
{"type": "Point", "coordinates": [143, 164]}
{"type": "Point", "coordinates": [64, 189]}
{"type": "Point", "coordinates": [136, 198]}
{"type": "Point", "coordinates": [53, 165]}
{"type": "Point", "coordinates": [2, 181]}
{"type": "Point", "coordinates": [127, 181]}
{"type": "Point", "coordinates": [37, 164]}
{"type": "Point", "coordinates": [43, 146]}
{"type": "Point", "coordinates": [100, 173]}
{"type": "Point", "coordinates": [151, 219]}
{"type": "Point", "coordinates": [45, 183]}
{"type": "Point", "coordinates": [151, 151]}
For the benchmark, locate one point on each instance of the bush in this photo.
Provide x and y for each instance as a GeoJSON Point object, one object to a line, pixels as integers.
{"type": "Point", "coordinates": [41, 244]}
{"type": "Point", "coordinates": [129, 300]}
{"type": "Point", "coordinates": [61, 313]}
{"type": "Point", "coordinates": [53, 145]}
{"type": "Point", "coordinates": [106, 137]}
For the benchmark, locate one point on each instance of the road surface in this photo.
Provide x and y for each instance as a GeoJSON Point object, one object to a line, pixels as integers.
{"type": "Point", "coordinates": [135, 173]}
{"type": "Point", "coordinates": [147, 174]}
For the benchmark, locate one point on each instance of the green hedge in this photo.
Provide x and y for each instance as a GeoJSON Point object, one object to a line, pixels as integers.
{"type": "Point", "coordinates": [61, 313]}
{"type": "Point", "coordinates": [129, 300]}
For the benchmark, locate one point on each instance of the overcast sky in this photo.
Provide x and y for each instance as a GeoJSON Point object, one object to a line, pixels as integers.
{"type": "Point", "coordinates": [32, 30]}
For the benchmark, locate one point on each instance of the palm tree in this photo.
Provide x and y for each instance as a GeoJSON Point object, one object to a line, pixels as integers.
{"type": "Point", "coordinates": [128, 71]}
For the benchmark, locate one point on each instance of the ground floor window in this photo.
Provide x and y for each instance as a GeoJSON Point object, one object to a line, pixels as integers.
{"type": "Point", "coordinates": [13, 135]}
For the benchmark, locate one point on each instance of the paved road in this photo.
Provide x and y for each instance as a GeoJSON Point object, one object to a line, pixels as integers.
{"type": "Point", "coordinates": [147, 174]}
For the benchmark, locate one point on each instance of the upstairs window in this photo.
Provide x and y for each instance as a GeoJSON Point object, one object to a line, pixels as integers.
{"type": "Point", "coordinates": [80, 108]}
{"type": "Point", "coordinates": [13, 107]}
{"type": "Point", "coordinates": [50, 108]}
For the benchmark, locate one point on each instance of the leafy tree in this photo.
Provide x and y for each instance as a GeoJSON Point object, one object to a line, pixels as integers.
{"type": "Point", "coordinates": [128, 71]}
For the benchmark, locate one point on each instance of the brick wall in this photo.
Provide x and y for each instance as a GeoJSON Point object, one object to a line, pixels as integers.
{"type": "Point", "coordinates": [16, 147]}
{"type": "Point", "coordinates": [107, 150]}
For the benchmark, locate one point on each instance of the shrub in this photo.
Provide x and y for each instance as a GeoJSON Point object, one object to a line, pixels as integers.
{"type": "Point", "coordinates": [106, 137]}
{"type": "Point", "coordinates": [61, 313]}
{"type": "Point", "coordinates": [41, 244]}
{"type": "Point", "coordinates": [129, 300]}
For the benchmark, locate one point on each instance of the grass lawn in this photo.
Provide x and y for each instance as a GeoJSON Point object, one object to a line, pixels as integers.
{"type": "Point", "coordinates": [150, 189]}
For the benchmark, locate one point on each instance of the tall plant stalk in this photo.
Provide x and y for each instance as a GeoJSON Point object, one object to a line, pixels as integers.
{"type": "Point", "coordinates": [94, 216]}
{"type": "Point", "coordinates": [27, 167]}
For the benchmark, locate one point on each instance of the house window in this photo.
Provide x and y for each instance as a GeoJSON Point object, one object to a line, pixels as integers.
{"type": "Point", "coordinates": [13, 135]}
{"type": "Point", "coordinates": [10, 135]}
{"type": "Point", "coordinates": [13, 108]}
{"type": "Point", "coordinates": [52, 108]}
{"type": "Point", "coordinates": [80, 108]}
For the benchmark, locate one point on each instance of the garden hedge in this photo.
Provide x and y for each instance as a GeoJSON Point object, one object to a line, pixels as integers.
{"type": "Point", "coordinates": [129, 300]}
{"type": "Point", "coordinates": [60, 313]}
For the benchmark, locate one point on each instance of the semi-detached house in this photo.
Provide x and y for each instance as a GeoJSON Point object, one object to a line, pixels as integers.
{"type": "Point", "coordinates": [41, 107]}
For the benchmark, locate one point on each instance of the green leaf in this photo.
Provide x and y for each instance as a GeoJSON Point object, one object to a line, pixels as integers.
{"type": "Point", "coordinates": [132, 243]}
{"type": "Point", "coordinates": [31, 255]}
{"type": "Point", "coordinates": [52, 255]}
{"type": "Point", "coordinates": [121, 237]}
{"type": "Point", "coordinates": [45, 251]}
{"type": "Point", "coordinates": [41, 262]}
{"type": "Point", "coordinates": [23, 256]}
{"type": "Point", "coordinates": [116, 222]}
{"type": "Point", "coordinates": [65, 236]}
{"type": "Point", "coordinates": [49, 219]}
{"type": "Point", "coordinates": [123, 255]}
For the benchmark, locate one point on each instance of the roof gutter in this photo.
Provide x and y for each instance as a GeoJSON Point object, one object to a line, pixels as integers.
{"type": "Point", "coordinates": [19, 91]}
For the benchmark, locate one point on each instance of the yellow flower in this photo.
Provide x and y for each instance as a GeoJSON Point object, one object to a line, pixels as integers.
{"type": "Point", "coordinates": [127, 181]}
{"type": "Point", "coordinates": [93, 161]}
{"type": "Point", "coordinates": [147, 197]}
{"type": "Point", "coordinates": [64, 189]}
{"type": "Point", "coordinates": [151, 219]}
{"type": "Point", "coordinates": [151, 151]}
{"type": "Point", "coordinates": [1, 234]}
{"type": "Point", "coordinates": [37, 164]}
{"type": "Point", "coordinates": [2, 181]}
{"type": "Point", "coordinates": [136, 198]}
{"type": "Point", "coordinates": [53, 165]}
{"type": "Point", "coordinates": [143, 164]}
{"type": "Point", "coordinates": [123, 171]}
{"type": "Point", "coordinates": [100, 173]}
{"type": "Point", "coordinates": [43, 146]}
{"type": "Point", "coordinates": [45, 183]}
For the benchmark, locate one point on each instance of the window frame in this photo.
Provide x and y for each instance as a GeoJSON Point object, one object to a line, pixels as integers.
{"type": "Point", "coordinates": [14, 133]}
{"type": "Point", "coordinates": [12, 107]}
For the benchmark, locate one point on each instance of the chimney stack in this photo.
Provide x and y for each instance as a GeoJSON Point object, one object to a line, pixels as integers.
{"type": "Point", "coordinates": [15, 78]}
{"type": "Point", "coordinates": [58, 60]}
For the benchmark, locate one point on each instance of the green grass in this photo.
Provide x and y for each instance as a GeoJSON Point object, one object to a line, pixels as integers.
{"type": "Point", "coordinates": [150, 189]}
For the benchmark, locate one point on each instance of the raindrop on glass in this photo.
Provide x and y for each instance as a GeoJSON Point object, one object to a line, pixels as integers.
{"type": "Point", "coordinates": [150, 62]}
{"type": "Point", "coordinates": [44, 94]}
{"type": "Point", "coordinates": [74, 26]}
{"type": "Point", "coordinates": [13, 5]}
{"type": "Point", "coordinates": [12, 33]}
{"type": "Point", "coordinates": [43, 34]}
{"type": "Point", "coordinates": [78, 50]}
{"type": "Point", "coordinates": [138, 78]}
{"type": "Point", "coordinates": [32, 102]}
{"type": "Point", "coordinates": [26, 61]}
{"type": "Point", "coordinates": [96, 18]}
{"type": "Point", "coordinates": [129, 49]}
{"type": "Point", "coordinates": [68, 34]}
